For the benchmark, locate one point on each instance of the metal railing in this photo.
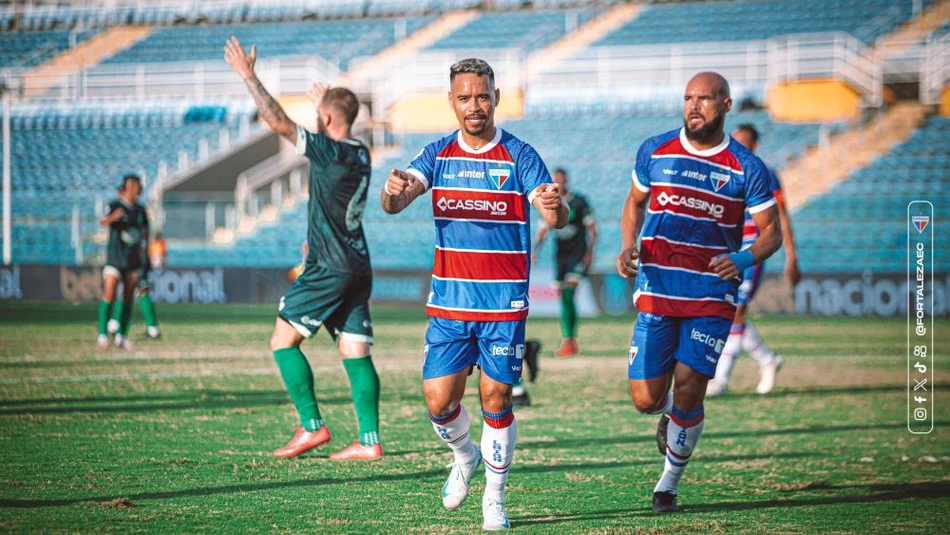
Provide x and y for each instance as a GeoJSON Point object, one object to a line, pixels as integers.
{"type": "Point", "coordinates": [192, 79]}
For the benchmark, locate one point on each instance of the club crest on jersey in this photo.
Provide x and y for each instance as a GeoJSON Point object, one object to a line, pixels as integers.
{"type": "Point", "coordinates": [719, 179]}
{"type": "Point", "coordinates": [920, 221]}
{"type": "Point", "coordinates": [499, 177]}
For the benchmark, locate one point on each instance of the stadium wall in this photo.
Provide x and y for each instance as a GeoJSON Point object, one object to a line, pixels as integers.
{"type": "Point", "coordinates": [839, 294]}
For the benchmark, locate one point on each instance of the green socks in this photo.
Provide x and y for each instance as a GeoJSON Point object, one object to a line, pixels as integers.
{"type": "Point", "coordinates": [568, 313]}
{"type": "Point", "coordinates": [125, 316]}
{"type": "Point", "coordinates": [298, 378]}
{"type": "Point", "coordinates": [105, 311]}
{"type": "Point", "coordinates": [148, 310]}
{"type": "Point", "coordinates": [364, 384]}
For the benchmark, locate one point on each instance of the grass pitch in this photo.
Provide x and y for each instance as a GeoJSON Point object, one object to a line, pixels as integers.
{"type": "Point", "coordinates": [177, 435]}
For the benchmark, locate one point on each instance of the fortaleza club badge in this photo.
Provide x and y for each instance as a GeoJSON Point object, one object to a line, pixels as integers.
{"type": "Point", "coordinates": [920, 221]}
{"type": "Point", "coordinates": [719, 179]}
{"type": "Point", "coordinates": [499, 177]}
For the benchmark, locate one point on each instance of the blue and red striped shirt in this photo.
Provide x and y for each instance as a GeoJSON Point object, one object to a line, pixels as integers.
{"type": "Point", "coordinates": [480, 203]}
{"type": "Point", "coordinates": [697, 203]}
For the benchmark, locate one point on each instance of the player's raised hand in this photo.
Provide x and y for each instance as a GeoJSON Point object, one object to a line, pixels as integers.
{"type": "Point", "coordinates": [317, 90]}
{"type": "Point", "coordinates": [238, 59]}
{"type": "Point", "coordinates": [550, 195]}
{"type": "Point", "coordinates": [399, 181]}
{"type": "Point", "coordinates": [725, 267]}
{"type": "Point", "coordinates": [627, 262]}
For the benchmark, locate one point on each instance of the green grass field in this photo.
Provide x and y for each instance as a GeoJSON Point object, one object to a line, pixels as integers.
{"type": "Point", "coordinates": [177, 435]}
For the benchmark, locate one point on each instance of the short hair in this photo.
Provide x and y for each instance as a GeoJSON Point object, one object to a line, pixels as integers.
{"type": "Point", "coordinates": [478, 67]}
{"type": "Point", "coordinates": [344, 101]}
{"type": "Point", "coordinates": [749, 129]}
{"type": "Point", "coordinates": [559, 170]}
{"type": "Point", "coordinates": [127, 177]}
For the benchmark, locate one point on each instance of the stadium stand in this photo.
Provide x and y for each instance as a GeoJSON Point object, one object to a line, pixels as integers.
{"type": "Point", "coordinates": [866, 214]}
{"type": "Point", "coordinates": [27, 49]}
{"type": "Point", "coordinates": [761, 19]}
{"type": "Point", "coordinates": [334, 40]}
{"type": "Point", "coordinates": [523, 30]}
{"type": "Point", "coordinates": [73, 156]}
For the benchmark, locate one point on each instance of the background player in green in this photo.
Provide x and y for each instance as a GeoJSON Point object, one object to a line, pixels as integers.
{"type": "Point", "coordinates": [125, 257]}
{"type": "Point", "coordinates": [145, 303]}
{"type": "Point", "coordinates": [574, 251]}
{"type": "Point", "coordinates": [334, 288]}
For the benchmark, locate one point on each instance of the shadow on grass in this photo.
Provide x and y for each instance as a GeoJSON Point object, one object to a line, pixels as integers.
{"type": "Point", "coordinates": [373, 479]}
{"type": "Point", "coordinates": [872, 493]}
{"type": "Point", "coordinates": [635, 439]}
{"type": "Point", "coordinates": [147, 403]}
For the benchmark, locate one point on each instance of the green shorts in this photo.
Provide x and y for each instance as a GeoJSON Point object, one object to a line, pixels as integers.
{"type": "Point", "coordinates": [336, 299]}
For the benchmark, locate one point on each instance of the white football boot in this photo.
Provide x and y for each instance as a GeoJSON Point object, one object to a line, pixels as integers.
{"type": "Point", "coordinates": [456, 486]}
{"type": "Point", "coordinates": [494, 514]}
{"type": "Point", "coordinates": [767, 374]}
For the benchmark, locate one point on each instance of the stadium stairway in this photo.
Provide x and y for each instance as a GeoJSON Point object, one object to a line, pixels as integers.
{"type": "Point", "coordinates": [87, 54]}
{"type": "Point", "coordinates": [441, 27]}
{"type": "Point", "coordinates": [583, 36]}
{"type": "Point", "coordinates": [823, 166]}
{"type": "Point", "coordinates": [917, 29]}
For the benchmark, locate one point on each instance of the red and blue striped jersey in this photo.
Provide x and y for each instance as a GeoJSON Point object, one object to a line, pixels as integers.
{"type": "Point", "coordinates": [750, 232]}
{"type": "Point", "coordinates": [697, 202]}
{"type": "Point", "coordinates": [480, 204]}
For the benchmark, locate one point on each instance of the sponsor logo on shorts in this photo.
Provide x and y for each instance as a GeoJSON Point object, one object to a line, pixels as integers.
{"type": "Point", "coordinates": [307, 320]}
{"type": "Point", "coordinates": [709, 340]}
{"type": "Point", "coordinates": [517, 304]}
{"type": "Point", "coordinates": [280, 306]}
{"type": "Point", "coordinates": [508, 351]}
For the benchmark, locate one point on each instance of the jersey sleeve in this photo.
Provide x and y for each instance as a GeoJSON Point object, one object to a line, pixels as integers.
{"type": "Point", "coordinates": [776, 187]}
{"type": "Point", "coordinates": [641, 167]}
{"type": "Point", "coordinates": [423, 165]}
{"type": "Point", "coordinates": [531, 172]}
{"type": "Point", "coordinates": [758, 187]}
{"type": "Point", "coordinates": [318, 148]}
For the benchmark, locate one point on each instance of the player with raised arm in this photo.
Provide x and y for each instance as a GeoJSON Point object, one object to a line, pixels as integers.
{"type": "Point", "coordinates": [483, 181]}
{"type": "Point", "coordinates": [574, 251]}
{"type": "Point", "coordinates": [334, 288]}
{"type": "Point", "coordinates": [695, 184]}
{"type": "Point", "coordinates": [125, 258]}
{"type": "Point", "coordinates": [743, 335]}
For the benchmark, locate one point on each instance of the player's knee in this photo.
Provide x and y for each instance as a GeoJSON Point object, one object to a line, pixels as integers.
{"type": "Point", "coordinates": [280, 340]}
{"type": "Point", "coordinates": [647, 404]}
{"type": "Point", "coordinates": [439, 406]}
{"type": "Point", "coordinates": [496, 399]}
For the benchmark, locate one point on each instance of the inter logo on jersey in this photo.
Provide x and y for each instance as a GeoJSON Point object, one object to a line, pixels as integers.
{"type": "Point", "coordinates": [499, 177]}
{"type": "Point", "coordinates": [719, 179]}
{"type": "Point", "coordinates": [920, 221]}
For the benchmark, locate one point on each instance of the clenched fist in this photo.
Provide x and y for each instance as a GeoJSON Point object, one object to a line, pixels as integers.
{"type": "Point", "coordinates": [627, 262]}
{"type": "Point", "coordinates": [399, 181]}
{"type": "Point", "coordinates": [550, 195]}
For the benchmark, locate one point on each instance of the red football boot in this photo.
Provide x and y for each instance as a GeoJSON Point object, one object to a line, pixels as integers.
{"type": "Point", "coordinates": [358, 452]}
{"type": "Point", "coordinates": [304, 441]}
{"type": "Point", "coordinates": [568, 348]}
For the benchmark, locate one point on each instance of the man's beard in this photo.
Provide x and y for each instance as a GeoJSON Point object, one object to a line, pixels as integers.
{"type": "Point", "coordinates": [709, 131]}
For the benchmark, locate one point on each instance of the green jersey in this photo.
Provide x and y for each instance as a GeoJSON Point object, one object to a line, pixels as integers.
{"type": "Point", "coordinates": [571, 241]}
{"type": "Point", "coordinates": [128, 236]}
{"type": "Point", "coordinates": [339, 179]}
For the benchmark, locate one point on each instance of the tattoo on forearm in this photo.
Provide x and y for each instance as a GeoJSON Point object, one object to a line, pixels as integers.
{"type": "Point", "coordinates": [270, 110]}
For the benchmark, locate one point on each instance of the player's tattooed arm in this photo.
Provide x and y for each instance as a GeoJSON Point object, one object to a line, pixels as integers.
{"type": "Point", "coordinates": [270, 111]}
{"type": "Point", "coordinates": [400, 190]}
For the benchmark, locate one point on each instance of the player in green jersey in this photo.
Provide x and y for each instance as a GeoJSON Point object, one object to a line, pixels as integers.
{"type": "Point", "coordinates": [334, 288]}
{"type": "Point", "coordinates": [125, 257]}
{"type": "Point", "coordinates": [574, 250]}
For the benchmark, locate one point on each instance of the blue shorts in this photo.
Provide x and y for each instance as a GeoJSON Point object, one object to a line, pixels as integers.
{"type": "Point", "coordinates": [659, 342]}
{"type": "Point", "coordinates": [497, 347]}
{"type": "Point", "coordinates": [751, 278]}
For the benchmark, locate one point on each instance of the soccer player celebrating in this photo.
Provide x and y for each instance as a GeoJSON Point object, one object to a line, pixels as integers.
{"type": "Point", "coordinates": [574, 251]}
{"type": "Point", "coordinates": [125, 257]}
{"type": "Point", "coordinates": [743, 335]}
{"type": "Point", "coordinates": [482, 180]}
{"type": "Point", "coordinates": [334, 288]}
{"type": "Point", "coordinates": [695, 184]}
